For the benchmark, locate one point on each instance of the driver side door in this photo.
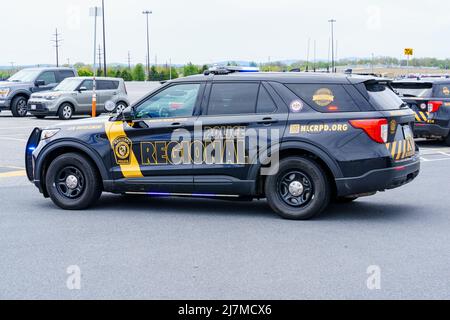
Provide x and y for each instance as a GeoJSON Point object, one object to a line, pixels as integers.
{"type": "Point", "coordinates": [160, 137]}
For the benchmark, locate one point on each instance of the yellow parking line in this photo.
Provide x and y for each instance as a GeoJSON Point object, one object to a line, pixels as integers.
{"type": "Point", "coordinates": [20, 173]}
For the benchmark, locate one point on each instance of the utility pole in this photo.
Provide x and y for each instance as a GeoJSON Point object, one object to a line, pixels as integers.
{"type": "Point", "coordinates": [372, 63]}
{"type": "Point", "coordinates": [100, 60]}
{"type": "Point", "coordinates": [147, 13]}
{"type": "Point", "coordinates": [129, 61]}
{"type": "Point", "coordinates": [314, 56]}
{"type": "Point", "coordinates": [307, 55]}
{"type": "Point", "coordinates": [104, 38]}
{"type": "Point", "coordinates": [57, 40]}
{"type": "Point", "coordinates": [332, 21]}
{"type": "Point", "coordinates": [170, 69]}
{"type": "Point", "coordinates": [68, 62]}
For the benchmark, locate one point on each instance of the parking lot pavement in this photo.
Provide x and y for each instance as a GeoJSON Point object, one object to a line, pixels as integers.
{"type": "Point", "coordinates": [141, 247]}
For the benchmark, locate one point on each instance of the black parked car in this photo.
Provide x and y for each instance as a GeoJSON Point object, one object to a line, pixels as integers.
{"type": "Point", "coordinates": [429, 98]}
{"type": "Point", "coordinates": [299, 140]}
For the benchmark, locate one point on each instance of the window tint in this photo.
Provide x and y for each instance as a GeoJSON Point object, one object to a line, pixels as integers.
{"type": "Point", "coordinates": [175, 101]}
{"type": "Point", "coordinates": [408, 89]}
{"type": "Point", "coordinates": [233, 98]}
{"type": "Point", "coordinates": [325, 98]}
{"type": "Point", "coordinates": [88, 84]}
{"type": "Point", "coordinates": [48, 77]}
{"type": "Point", "coordinates": [63, 74]}
{"type": "Point", "coordinates": [443, 91]}
{"type": "Point", "coordinates": [265, 102]}
{"type": "Point", "coordinates": [107, 85]}
{"type": "Point", "coordinates": [382, 97]}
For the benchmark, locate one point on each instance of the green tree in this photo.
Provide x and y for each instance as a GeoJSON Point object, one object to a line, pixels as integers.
{"type": "Point", "coordinates": [118, 74]}
{"type": "Point", "coordinates": [85, 72]}
{"type": "Point", "coordinates": [190, 70]}
{"type": "Point", "coordinates": [139, 73]}
{"type": "Point", "coordinates": [154, 74]}
{"type": "Point", "coordinates": [126, 75]}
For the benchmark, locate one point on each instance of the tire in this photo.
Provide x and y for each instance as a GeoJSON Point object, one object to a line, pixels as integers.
{"type": "Point", "coordinates": [19, 106]}
{"type": "Point", "coordinates": [302, 176]}
{"type": "Point", "coordinates": [40, 117]}
{"type": "Point", "coordinates": [345, 199]}
{"type": "Point", "coordinates": [120, 107]}
{"type": "Point", "coordinates": [69, 193]}
{"type": "Point", "coordinates": [65, 111]}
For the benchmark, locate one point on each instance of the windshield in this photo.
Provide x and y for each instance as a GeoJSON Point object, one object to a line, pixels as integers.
{"type": "Point", "coordinates": [414, 90]}
{"type": "Point", "coordinates": [382, 97]}
{"type": "Point", "coordinates": [25, 76]}
{"type": "Point", "coordinates": [67, 85]}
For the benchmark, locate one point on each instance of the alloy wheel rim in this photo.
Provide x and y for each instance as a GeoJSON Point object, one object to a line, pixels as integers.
{"type": "Point", "coordinates": [67, 112]}
{"type": "Point", "coordinates": [22, 107]}
{"type": "Point", "coordinates": [70, 182]}
{"type": "Point", "coordinates": [295, 189]}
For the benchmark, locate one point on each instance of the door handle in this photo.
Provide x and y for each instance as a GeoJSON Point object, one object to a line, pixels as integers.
{"type": "Point", "coordinates": [267, 121]}
{"type": "Point", "coordinates": [176, 125]}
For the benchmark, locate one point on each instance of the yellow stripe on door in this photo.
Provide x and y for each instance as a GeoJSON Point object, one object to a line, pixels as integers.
{"type": "Point", "coordinates": [115, 130]}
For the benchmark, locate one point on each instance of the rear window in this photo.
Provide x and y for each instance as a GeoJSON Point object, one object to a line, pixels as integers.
{"type": "Point", "coordinates": [325, 98]}
{"type": "Point", "coordinates": [443, 91]}
{"type": "Point", "coordinates": [64, 74]}
{"type": "Point", "coordinates": [413, 90]}
{"type": "Point", "coordinates": [382, 97]}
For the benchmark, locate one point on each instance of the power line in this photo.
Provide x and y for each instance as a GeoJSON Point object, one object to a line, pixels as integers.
{"type": "Point", "coordinates": [57, 41]}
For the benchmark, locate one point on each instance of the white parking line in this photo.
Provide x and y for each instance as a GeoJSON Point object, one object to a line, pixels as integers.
{"type": "Point", "coordinates": [13, 139]}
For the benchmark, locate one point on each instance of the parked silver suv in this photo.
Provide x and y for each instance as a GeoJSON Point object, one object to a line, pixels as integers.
{"type": "Point", "coordinates": [74, 96]}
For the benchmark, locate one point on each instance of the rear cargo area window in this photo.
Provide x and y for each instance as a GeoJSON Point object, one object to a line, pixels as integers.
{"type": "Point", "coordinates": [325, 98]}
{"type": "Point", "coordinates": [382, 97]}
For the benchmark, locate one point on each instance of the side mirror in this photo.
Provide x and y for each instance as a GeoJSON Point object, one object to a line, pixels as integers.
{"type": "Point", "coordinates": [81, 89]}
{"type": "Point", "coordinates": [39, 83]}
{"type": "Point", "coordinates": [110, 106]}
{"type": "Point", "coordinates": [128, 114]}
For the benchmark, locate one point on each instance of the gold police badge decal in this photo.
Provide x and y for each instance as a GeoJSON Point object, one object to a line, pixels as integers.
{"type": "Point", "coordinates": [122, 150]}
{"type": "Point", "coordinates": [446, 91]}
{"type": "Point", "coordinates": [393, 126]}
{"type": "Point", "coordinates": [323, 97]}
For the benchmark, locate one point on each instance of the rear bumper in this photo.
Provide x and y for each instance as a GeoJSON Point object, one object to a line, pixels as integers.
{"type": "Point", "coordinates": [380, 179]}
{"type": "Point", "coordinates": [427, 130]}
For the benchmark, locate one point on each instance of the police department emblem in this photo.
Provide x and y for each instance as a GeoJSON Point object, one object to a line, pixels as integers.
{"type": "Point", "coordinates": [122, 150]}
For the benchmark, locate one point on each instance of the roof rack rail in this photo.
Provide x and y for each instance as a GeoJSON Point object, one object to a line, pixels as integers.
{"type": "Point", "coordinates": [229, 69]}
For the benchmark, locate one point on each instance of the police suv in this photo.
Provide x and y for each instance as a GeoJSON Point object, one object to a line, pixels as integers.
{"type": "Point", "coordinates": [298, 140]}
{"type": "Point", "coordinates": [429, 98]}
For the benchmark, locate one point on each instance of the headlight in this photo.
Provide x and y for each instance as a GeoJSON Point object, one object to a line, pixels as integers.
{"type": "Point", "coordinates": [4, 92]}
{"type": "Point", "coordinates": [51, 97]}
{"type": "Point", "coordinates": [48, 133]}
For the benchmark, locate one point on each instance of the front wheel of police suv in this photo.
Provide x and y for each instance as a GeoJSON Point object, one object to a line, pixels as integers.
{"type": "Point", "coordinates": [300, 189]}
{"type": "Point", "coordinates": [72, 182]}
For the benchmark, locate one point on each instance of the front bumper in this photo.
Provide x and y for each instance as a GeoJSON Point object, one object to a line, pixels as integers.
{"type": "Point", "coordinates": [380, 179]}
{"type": "Point", "coordinates": [428, 130]}
{"type": "Point", "coordinates": [40, 107]}
{"type": "Point", "coordinates": [5, 104]}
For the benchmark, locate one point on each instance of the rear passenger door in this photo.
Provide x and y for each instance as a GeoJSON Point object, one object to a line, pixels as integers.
{"type": "Point", "coordinates": [237, 114]}
{"type": "Point", "coordinates": [84, 98]}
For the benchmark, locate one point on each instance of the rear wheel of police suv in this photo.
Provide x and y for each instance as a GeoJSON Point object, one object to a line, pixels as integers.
{"type": "Point", "coordinates": [72, 181]}
{"type": "Point", "coordinates": [65, 111]}
{"type": "Point", "coordinates": [300, 189]}
{"type": "Point", "coordinates": [19, 106]}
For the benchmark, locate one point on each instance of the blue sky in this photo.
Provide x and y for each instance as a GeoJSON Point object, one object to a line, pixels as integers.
{"type": "Point", "coordinates": [205, 31]}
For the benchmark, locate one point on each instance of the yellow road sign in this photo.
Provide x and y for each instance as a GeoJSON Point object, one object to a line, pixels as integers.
{"type": "Point", "coordinates": [409, 52]}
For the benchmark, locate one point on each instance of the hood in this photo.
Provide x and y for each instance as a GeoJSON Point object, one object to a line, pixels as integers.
{"type": "Point", "coordinates": [42, 94]}
{"type": "Point", "coordinates": [81, 123]}
{"type": "Point", "coordinates": [10, 84]}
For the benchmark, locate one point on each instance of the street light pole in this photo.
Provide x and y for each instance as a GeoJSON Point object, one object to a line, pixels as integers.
{"type": "Point", "coordinates": [147, 13]}
{"type": "Point", "coordinates": [332, 21]}
{"type": "Point", "coordinates": [104, 39]}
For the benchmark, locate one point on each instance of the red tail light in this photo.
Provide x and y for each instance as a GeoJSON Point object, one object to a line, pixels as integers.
{"type": "Point", "coordinates": [433, 106]}
{"type": "Point", "coordinates": [376, 129]}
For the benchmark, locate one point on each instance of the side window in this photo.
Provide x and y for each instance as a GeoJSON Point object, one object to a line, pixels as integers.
{"type": "Point", "coordinates": [443, 91]}
{"type": "Point", "coordinates": [265, 102]}
{"type": "Point", "coordinates": [325, 98]}
{"type": "Point", "coordinates": [113, 85]}
{"type": "Point", "coordinates": [64, 74]}
{"type": "Point", "coordinates": [233, 98]}
{"type": "Point", "coordinates": [48, 77]}
{"type": "Point", "coordinates": [175, 101]}
{"type": "Point", "coordinates": [88, 84]}
{"type": "Point", "coordinates": [103, 85]}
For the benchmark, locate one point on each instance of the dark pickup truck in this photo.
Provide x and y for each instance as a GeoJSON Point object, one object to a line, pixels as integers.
{"type": "Point", "coordinates": [429, 98]}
